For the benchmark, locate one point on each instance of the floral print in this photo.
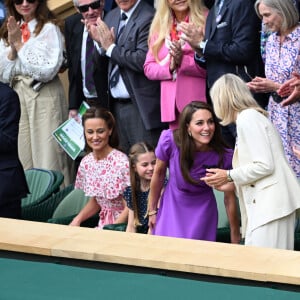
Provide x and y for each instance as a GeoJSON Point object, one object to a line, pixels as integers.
{"type": "Point", "coordinates": [281, 61]}
{"type": "Point", "coordinates": [106, 180]}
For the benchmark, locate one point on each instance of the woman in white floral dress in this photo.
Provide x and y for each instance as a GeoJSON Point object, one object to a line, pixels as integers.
{"type": "Point", "coordinates": [31, 55]}
{"type": "Point", "coordinates": [103, 174]}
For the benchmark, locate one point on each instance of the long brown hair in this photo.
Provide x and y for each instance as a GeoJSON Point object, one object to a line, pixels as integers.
{"type": "Point", "coordinates": [135, 182]}
{"type": "Point", "coordinates": [43, 15]}
{"type": "Point", "coordinates": [106, 115]}
{"type": "Point", "coordinates": [187, 145]}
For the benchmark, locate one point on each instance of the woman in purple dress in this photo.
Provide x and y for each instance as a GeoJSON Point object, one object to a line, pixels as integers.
{"type": "Point", "coordinates": [187, 207]}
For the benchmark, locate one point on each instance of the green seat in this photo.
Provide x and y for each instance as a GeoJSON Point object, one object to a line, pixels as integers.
{"type": "Point", "coordinates": [223, 231]}
{"type": "Point", "coordinates": [69, 207]}
{"type": "Point", "coordinates": [44, 210]}
{"type": "Point", "coordinates": [40, 183]}
{"type": "Point", "coordinates": [58, 180]}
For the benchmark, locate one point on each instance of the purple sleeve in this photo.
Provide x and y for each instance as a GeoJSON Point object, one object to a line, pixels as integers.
{"type": "Point", "coordinates": [164, 146]}
{"type": "Point", "coordinates": [228, 159]}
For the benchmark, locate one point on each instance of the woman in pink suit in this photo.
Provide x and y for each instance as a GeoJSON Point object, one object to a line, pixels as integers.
{"type": "Point", "coordinates": [171, 60]}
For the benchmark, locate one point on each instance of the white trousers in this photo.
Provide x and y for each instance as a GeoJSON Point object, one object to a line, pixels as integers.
{"type": "Point", "coordinates": [276, 234]}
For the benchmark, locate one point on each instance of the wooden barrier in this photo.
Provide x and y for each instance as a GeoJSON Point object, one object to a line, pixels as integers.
{"type": "Point", "coordinates": [62, 8]}
{"type": "Point", "coordinates": [199, 257]}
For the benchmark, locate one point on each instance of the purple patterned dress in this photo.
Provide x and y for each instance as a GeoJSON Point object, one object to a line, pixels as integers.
{"type": "Point", "coordinates": [281, 61]}
{"type": "Point", "coordinates": [187, 210]}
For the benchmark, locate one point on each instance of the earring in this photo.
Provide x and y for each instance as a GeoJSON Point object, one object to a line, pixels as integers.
{"type": "Point", "coordinates": [190, 134]}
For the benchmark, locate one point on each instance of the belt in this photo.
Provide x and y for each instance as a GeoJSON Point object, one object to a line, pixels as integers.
{"type": "Point", "coordinates": [92, 101]}
{"type": "Point", "coordinates": [122, 100]}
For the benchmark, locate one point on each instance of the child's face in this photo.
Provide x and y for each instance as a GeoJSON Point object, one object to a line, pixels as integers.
{"type": "Point", "coordinates": [96, 133]}
{"type": "Point", "coordinates": [145, 165]}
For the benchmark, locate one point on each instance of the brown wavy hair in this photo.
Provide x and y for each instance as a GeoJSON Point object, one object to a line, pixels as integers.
{"type": "Point", "coordinates": [43, 15]}
{"type": "Point", "coordinates": [187, 145]}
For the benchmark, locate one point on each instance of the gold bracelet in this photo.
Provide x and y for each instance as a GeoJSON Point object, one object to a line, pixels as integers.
{"type": "Point", "coordinates": [152, 213]}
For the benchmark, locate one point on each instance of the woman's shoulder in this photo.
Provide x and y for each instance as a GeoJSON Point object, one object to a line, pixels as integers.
{"type": "Point", "coordinates": [117, 157]}
{"type": "Point", "coordinates": [87, 158]}
{"type": "Point", "coordinates": [167, 135]}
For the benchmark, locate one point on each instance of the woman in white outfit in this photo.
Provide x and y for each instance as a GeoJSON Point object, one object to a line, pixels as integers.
{"type": "Point", "coordinates": [266, 185]}
{"type": "Point", "coordinates": [31, 55]}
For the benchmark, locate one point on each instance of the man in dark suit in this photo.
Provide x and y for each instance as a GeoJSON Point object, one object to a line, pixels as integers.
{"type": "Point", "coordinates": [134, 100]}
{"type": "Point", "coordinates": [13, 185]}
{"type": "Point", "coordinates": [231, 44]}
{"type": "Point", "coordinates": [76, 37]}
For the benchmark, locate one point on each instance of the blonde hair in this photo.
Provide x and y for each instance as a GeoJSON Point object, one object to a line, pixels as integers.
{"type": "Point", "coordinates": [230, 95]}
{"type": "Point", "coordinates": [162, 22]}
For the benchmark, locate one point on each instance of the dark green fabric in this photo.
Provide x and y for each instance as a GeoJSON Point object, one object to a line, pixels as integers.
{"type": "Point", "coordinates": [24, 280]}
{"type": "Point", "coordinates": [39, 182]}
{"type": "Point", "coordinates": [71, 204]}
{"type": "Point", "coordinates": [91, 222]}
{"type": "Point", "coordinates": [122, 227]}
{"type": "Point", "coordinates": [44, 210]}
{"type": "Point", "coordinates": [116, 227]}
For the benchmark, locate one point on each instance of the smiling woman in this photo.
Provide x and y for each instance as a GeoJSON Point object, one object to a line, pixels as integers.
{"type": "Point", "coordinates": [103, 174]}
{"type": "Point", "coordinates": [31, 56]}
{"type": "Point", "coordinates": [188, 206]}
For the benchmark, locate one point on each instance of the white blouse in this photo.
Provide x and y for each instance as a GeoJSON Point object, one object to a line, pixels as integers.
{"type": "Point", "coordinates": [40, 57]}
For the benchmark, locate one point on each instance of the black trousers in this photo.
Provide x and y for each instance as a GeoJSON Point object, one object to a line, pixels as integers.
{"type": "Point", "coordinates": [11, 209]}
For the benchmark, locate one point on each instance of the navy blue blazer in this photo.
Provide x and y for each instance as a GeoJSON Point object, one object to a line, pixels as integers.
{"type": "Point", "coordinates": [13, 185]}
{"type": "Point", "coordinates": [233, 43]}
{"type": "Point", "coordinates": [73, 36]}
{"type": "Point", "coordinates": [130, 55]}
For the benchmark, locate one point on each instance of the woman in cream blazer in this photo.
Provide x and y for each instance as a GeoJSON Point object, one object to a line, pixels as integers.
{"type": "Point", "coordinates": [268, 190]}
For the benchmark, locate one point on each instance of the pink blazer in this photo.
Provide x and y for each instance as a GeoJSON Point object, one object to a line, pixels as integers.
{"type": "Point", "coordinates": [188, 86]}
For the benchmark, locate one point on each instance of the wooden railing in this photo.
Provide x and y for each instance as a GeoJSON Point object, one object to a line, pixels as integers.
{"type": "Point", "coordinates": [62, 8]}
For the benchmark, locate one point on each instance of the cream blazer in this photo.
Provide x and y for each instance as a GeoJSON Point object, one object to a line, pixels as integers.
{"type": "Point", "coordinates": [261, 173]}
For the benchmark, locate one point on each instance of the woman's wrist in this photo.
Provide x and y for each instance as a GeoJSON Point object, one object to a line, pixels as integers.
{"type": "Point", "coordinates": [152, 212]}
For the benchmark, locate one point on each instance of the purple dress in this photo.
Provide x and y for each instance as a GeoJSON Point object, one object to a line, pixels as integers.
{"type": "Point", "coordinates": [187, 210]}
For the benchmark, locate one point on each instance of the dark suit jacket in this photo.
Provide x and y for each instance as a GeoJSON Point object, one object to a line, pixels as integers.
{"type": "Point", "coordinates": [130, 55]}
{"type": "Point", "coordinates": [73, 35]}
{"type": "Point", "coordinates": [234, 43]}
{"type": "Point", "coordinates": [13, 185]}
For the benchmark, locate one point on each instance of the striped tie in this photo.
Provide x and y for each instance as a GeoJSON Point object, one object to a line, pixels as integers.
{"type": "Point", "coordinates": [89, 66]}
{"type": "Point", "coordinates": [115, 73]}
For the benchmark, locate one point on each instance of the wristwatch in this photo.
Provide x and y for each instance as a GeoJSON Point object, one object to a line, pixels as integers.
{"type": "Point", "coordinates": [229, 177]}
{"type": "Point", "coordinates": [202, 44]}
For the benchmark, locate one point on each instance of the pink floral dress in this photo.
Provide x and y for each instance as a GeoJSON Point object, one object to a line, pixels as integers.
{"type": "Point", "coordinates": [106, 180]}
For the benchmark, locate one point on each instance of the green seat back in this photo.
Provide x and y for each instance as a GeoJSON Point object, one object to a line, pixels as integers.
{"type": "Point", "coordinates": [71, 204]}
{"type": "Point", "coordinates": [58, 180]}
{"type": "Point", "coordinates": [40, 183]}
{"type": "Point", "coordinates": [222, 215]}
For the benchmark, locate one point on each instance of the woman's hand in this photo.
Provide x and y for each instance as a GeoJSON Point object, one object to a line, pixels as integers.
{"type": "Point", "coordinates": [176, 55]}
{"type": "Point", "coordinates": [75, 222]}
{"type": "Point", "coordinates": [14, 32]}
{"type": "Point", "coordinates": [235, 236]}
{"type": "Point", "coordinates": [151, 223]}
{"type": "Point", "coordinates": [215, 177]}
{"type": "Point", "coordinates": [262, 85]}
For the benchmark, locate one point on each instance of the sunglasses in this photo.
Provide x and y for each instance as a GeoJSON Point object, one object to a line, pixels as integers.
{"type": "Point", "coordinates": [18, 2]}
{"type": "Point", "coordinates": [93, 5]}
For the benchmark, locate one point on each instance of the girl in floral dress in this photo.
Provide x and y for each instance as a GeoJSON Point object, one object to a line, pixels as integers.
{"type": "Point", "coordinates": [103, 174]}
